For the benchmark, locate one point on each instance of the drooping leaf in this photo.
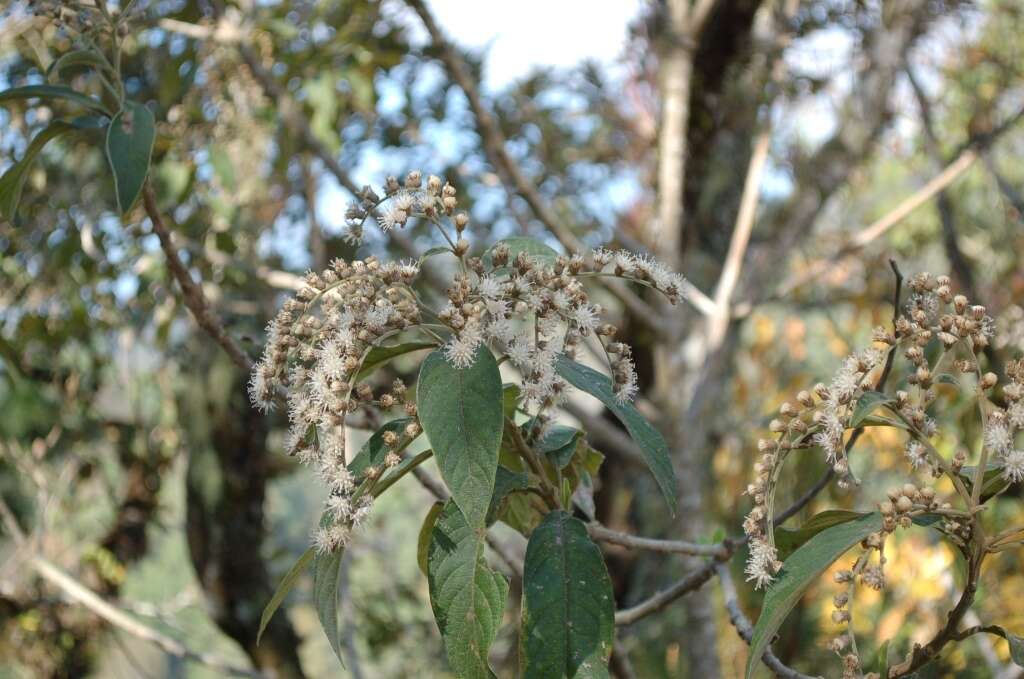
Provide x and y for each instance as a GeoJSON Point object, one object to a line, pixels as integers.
{"type": "Point", "coordinates": [568, 604]}
{"type": "Point", "coordinates": [533, 248]}
{"type": "Point", "coordinates": [130, 140]}
{"type": "Point", "coordinates": [993, 480]}
{"type": "Point", "coordinates": [426, 533]}
{"type": "Point", "coordinates": [74, 58]}
{"type": "Point", "coordinates": [13, 180]}
{"type": "Point", "coordinates": [437, 250]}
{"type": "Point", "coordinates": [652, 445]}
{"type": "Point", "coordinates": [882, 659]}
{"type": "Point", "coordinates": [326, 570]}
{"type": "Point", "coordinates": [54, 92]}
{"type": "Point", "coordinates": [505, 481]}
{"type": "Point", "coordinates": [374, 451]}
{"type": "Point", "coordinates": [379, 356]}
{"type": "Point", "coordinates": [461, 414]}
{"type": "Point", "coordinates": [787, 540]}
{"type": "Point", "coordinates": [802, 568]}
{"type": "Point", "coordinates": [868, 403]}
{"type": "Point", "coordinates": [468, 598]}
{"type": "Point", "coordinates": [289, 580]}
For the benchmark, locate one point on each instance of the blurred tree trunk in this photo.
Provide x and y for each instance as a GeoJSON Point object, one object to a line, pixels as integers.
{"type": "Point", "coordinates": [225, 491]}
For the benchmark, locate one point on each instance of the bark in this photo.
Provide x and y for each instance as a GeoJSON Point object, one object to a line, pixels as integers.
{"type": "Point", "coordinates": [226, 488]}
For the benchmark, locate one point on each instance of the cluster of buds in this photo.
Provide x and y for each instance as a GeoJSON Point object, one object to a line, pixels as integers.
{"type": "Point", "coordinates": [1004, 425]}
{"type": "Point", "coordinates": [402, 201]}
{"type": "Point", "coordinates": [315, 347]}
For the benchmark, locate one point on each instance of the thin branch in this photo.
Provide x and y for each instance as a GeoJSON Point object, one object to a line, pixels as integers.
{"type": "Point", "coordinates": [690, 582]}
{"type": "Point", "coordinates": [745, 629]}
{"type": "Point", "coordinates": [740, 240]}
{"type": "Point", "coordinates": [192, 293]}
{"type": "Point", "coordinates": [602, 534]}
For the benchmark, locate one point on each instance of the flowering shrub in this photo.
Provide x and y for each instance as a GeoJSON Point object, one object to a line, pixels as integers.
{"type": "Point", "coordinates": [520, 304]}
{"type": "Point", "coordinates": [910, 379]}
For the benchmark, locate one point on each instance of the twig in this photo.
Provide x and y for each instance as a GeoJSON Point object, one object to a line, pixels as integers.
{"type": "Point", "coordinates": [744, 627]}
{"type": "Point", "coordinates": [599, 532]}
{"type": "Point", "coordinates": [192, 293]}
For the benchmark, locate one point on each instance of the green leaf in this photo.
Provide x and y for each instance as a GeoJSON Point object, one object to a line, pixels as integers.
{"type": "Point", "coordinates": [12, 183]}
{"type": "Point", "coordinates": [798, 572]}
{"type": "Point", "coordinates": [559, 444]}
{"type": "Point", "coordinates": [468, 598]}
{"type": "Point", "coordinates": [568, 604]}
{"type": "Point", "coordinates": [534, 249]}
{"type": "Point", "coordinates": [506, 481]}
{"type": "Point", "coordinates": [54, 92]}
{"type": "Point", "coordinates": [326, 569]}
{"type": "Point", "coordinates": [129, 147]}
{"type": "Point", "coordinates": [867, 404]}
{"type": "Point", "coordinates": [877, 421]}
{"type": "Point", "coordinates": [374, 451]}
{"type": "Point", "coordinates": [75, 58]}
{"type": "Point", "coordinates": [286, 585]}
{"type": "Point", "coordinates": [379, 356]}
{"type": "Point", "coordinates": [787, 540]}
{"type": "Point", "coordinates": [461, 414]}
{"type": "Point", "coordinates": [426, 533]}
{"type": "Point", "coordinates": [652, 445]}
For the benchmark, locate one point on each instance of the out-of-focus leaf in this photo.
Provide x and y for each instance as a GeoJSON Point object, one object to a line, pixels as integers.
{"type": "Point", "coordinates": [13, 180]}
{"type": "Point", "coordinates": [533, 248]}
{"type": "Point", "coordinates": [54, 92]}
{"type": "Point", "coordinates": [505, 481]}
{"type": "Point", "coordinates": [129, 146]}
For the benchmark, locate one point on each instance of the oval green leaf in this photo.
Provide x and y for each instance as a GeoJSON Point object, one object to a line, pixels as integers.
{"type": "Point", "coordinates": [568, 603]}
{"type": "Point", "coordinates": [461, 414]}
{"type": "Point", "coordinates": [533, 248]}
{"type": "Point", "coordinates": [652, 445]}
{"type": "Point", "coordinates": [468, 598]}
{"type": "Point", "coordinates": [787, 540]}
{"type": "Point", "coordinates": [129, 147]}
{"type": "Point", "coordinates": [798, 572]}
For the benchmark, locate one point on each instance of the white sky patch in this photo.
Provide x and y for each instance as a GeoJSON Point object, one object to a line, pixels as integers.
{"type": "Point", "coordinates": [520, 36]}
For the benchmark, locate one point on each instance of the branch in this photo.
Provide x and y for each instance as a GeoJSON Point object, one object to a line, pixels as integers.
{"type": "Point", "coordinates": [192, 293]}
{"type": "Point", "coordinates": [746, 630]}
{"type": "Point", "coordinates": [599, 532]}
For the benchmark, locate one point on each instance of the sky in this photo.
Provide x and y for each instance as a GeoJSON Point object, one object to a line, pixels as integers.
{"type": "Point", "coordinates": [519, 36]}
